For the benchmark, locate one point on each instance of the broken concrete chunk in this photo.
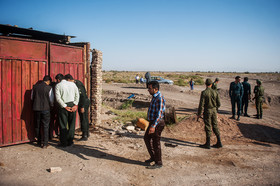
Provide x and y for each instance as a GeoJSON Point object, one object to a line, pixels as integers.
{"type": "Point", "coordinates": [55, 169]}
{"type": "Point", "coordinates": [130, 128]}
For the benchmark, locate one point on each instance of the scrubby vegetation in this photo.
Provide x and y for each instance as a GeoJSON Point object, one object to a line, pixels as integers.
{"type": "Point", "coordinates": [180, 78]}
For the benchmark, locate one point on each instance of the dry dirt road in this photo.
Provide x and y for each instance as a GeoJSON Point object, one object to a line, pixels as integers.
{"type": "Point", "coordinates": [114, 156]}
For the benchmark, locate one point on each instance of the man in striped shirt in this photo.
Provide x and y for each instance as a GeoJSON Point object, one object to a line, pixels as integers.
{"type": "Point", "coordinates": [156, 125]}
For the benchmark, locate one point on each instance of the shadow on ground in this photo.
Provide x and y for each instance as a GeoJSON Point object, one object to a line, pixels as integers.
{"type": "Point", "coordinates": [96, 152]}
{"type": "Point", "coordinates": [260, 133]}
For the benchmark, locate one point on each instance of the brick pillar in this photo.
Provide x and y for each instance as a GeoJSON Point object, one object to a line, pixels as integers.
{"type": "Point", "coordinates": [96, 87]}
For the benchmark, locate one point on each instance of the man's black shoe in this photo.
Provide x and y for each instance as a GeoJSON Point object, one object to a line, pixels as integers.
{"type": "Point", "coordinates": [155, 166]}
{"type": "Point", "coordinates": [247, 115]}
{"type": "Point", "coordinates": [83, 139]}
{"type": "Point", "coordinates": [62, 145]}
{"type": "Point", "coordinates": [149, 160]}
{"type": "Point", "coordinates": [70, 143]}
{"type": "Point", "coordinates": [233, 117]}
{"type": "Point", "coordinates": [45, 146]}
{"type": "Point", "coordinates": [238, 118]}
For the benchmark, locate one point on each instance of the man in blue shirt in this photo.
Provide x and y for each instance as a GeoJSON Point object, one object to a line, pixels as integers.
{"type": "Point", "coordinates": [156, 125]}
{"type": "Point", "coordinates": [236, 94]}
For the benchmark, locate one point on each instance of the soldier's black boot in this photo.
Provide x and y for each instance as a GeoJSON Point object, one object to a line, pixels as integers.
{"type": "Point", "coordinates": [238, 118]}
{"type": "Point", "coordinates": [233, 117]}
{"type": "Point", "coordinates": [247, 115]}
{"type": "Point", "coordinates": [84, 136]}
{"type": "Point", "coordinates": [219, 143]}
{"type": "Point", "coordinates": [207, 144]}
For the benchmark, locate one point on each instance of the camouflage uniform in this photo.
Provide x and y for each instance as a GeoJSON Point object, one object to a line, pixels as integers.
{"type": "Point", "coordinates": [210, 102]}
{"type": "Point", "coordinates": [215, 84]}
{"type": "Point", "coordinates": [259, 93]}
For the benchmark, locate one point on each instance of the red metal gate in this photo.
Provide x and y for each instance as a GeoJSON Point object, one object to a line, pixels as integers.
{"type": "Point", "coordinates": [22, 63]}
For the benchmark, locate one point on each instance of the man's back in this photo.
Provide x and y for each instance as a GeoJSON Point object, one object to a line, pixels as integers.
{"type": "Point", "coordinates": [246, 87]}
{"type": "Point", "coordinates": [66, 91]}
{"type": "Point", "coordinates": [41, 96]}
{"type": "Point", "coordinates": [209, 99]}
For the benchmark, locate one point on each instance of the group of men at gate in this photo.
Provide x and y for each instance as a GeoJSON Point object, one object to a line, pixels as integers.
{"type": "Point", "coordinates": [65, 98]}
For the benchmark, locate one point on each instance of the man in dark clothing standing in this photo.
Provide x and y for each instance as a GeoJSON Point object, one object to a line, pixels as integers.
{"type": "Point", "coordinates": [246, 96]}
{"type": "Point", "coordinates": [43, 98]}
{"type": "Point", "coordinates": [148, 78]}
{"type": "Point", "coordinates": [156, 125]}
{"type": "Point", "coordinates": [236, 94]}
{"type": "Point", "coordinates": [209, 103]}
{"type": "Point", "coordinates": [83, 106]}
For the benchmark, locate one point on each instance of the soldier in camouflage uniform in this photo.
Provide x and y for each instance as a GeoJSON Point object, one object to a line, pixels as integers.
{"type": "Point", "coordinates": [215, 84]}
{"type": "Point", "coordinates": [209, 103]}
{"type": "Point", "coordinates": [259, 93]}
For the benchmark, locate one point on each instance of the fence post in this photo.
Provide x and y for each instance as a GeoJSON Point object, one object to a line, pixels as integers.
{"type": "Point", "coordinates": [96, 87]}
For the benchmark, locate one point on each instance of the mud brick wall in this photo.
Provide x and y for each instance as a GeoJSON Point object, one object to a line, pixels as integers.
{"type": "Point", "coordinates": [96, 87]}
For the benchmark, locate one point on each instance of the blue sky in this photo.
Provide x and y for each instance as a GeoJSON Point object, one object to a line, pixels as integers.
{"type": "Point", "coordinates": [163, 35]}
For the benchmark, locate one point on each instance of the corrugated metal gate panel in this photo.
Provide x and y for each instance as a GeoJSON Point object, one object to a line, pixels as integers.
{"type": "Point", "coordinates": [22, 64]}
{"type": "Point", "coordinates": [67, 59]}
{"type": "Point", "coordinates": [12, 48]}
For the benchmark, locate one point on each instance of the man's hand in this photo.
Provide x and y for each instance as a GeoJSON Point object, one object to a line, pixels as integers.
{"type": "Point", "coordinates": [74, 108]}
{"type": "Point", "coordinates": [82, 110]}
{"type": "Point", "coordinates": [152, 130]}
{"type": "Point", "coordinates": [69, 109]}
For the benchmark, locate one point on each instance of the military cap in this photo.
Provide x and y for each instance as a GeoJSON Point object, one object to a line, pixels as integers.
{"type": "Point", "coordinates": [217, 79]}
{"type": "Point", "coordinates": [208, 82]}
{"type": "Point", "coordinates": [237, 77]}
{"type": "Point", "coordinates": [258, 82]}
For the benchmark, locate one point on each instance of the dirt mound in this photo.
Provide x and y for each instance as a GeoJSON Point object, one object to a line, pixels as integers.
{"type": "Point", "coordinates": [192, 130]}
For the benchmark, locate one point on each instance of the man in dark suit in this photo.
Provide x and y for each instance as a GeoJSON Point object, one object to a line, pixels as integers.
{"type": "Point", "coordinates": [43, 98]}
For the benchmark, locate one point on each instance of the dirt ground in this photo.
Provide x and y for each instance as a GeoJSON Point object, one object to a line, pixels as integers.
{"type": "Point", "coordinates": [115, 156]}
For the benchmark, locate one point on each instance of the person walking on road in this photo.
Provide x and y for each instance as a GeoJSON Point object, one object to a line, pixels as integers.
{"type": "Point", "coordinates": [156, 125]}
{"type": "Point", "coordinates": [209, 104]}
{"type": "Point", "coordinates": [236, 94]}
{"type": "Point", "coordinates": [191, 84]}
